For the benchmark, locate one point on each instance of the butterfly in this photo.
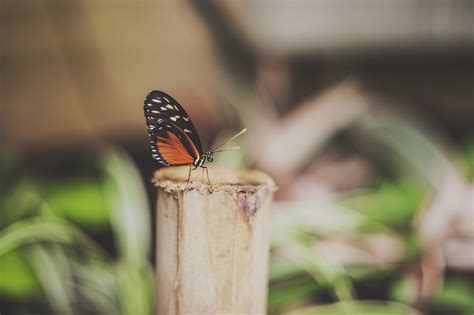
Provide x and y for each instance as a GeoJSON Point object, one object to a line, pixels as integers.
{"type": "Point", "coordinates": [174, 139]}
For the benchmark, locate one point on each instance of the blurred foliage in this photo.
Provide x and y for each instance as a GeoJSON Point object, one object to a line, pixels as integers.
{"type": "Point", "coordinates": [385, 212]}
{"type": "Point", "coordinates": [48, 257]}
{"type": "Point", "coordinates": [392, 205]}
{"type": "Point", "coordinates": [364, 244]}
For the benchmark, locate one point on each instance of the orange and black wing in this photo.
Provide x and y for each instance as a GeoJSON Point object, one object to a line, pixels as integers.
{"type": "Point", "coordinates": [174, 140]}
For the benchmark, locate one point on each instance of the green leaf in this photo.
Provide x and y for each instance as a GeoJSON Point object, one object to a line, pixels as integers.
{"type": "Point", "coordinates": [290, 220]}
{"type": "Point", "coordinates": [131, 225]}
{"type": "Point", "coordinates": [405, 290]}
{"type": "Point", "coordinates": [455, 296]}
{"type": "Point", "coordinates": [19, 202]}
{"type": "Point", "coordinates": [30, 231]}
{"type": "Point", "coordinates": [129, 208]}
{"type": "Point", "coordinates": [135, 288]}
{"type": "Point", "coordinates": [97, 286]}
{"type": "Point", "coordinates": [392, 205]}
{"type": "Point", "coordinates": [322, 270]}
{"type": "Point", "coordinates": [53, 276]}
{"type": "Point", "coordinates": [17, 280]}
{"type": "Point", "coordinates": [80, 200]}
{"type": "Point", "coordinates": [282, 296]}
{"type": "Point", "coordinates": [45, 228]}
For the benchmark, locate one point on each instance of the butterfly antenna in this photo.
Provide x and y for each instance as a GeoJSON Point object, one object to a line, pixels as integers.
{"type": "Point", "coordinates": [228, 140]}
{"type": "Point", "coordinates": [228, 149]}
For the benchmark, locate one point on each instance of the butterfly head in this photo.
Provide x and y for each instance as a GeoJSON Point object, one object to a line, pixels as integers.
{"type": "Point", "coordinates": [209, 155]}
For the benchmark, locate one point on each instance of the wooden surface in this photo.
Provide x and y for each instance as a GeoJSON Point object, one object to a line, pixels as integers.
{"type": "Point", "coordinates": [212, 242]}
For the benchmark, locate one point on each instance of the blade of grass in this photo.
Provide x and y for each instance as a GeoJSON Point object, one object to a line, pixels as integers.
{"type": "Point", "coordinates": [97, 285]}
{"type": "Point", "coordinates": [321, 271]}
{"type": "Point", "coordinates": [130, 213]}
{"type": "Point", "coordinates": [32, 231]}
{"type": "Point", "coordinates": [47, 270]}
{"type": "Point", "coordinates": [45, 228]}
{"type": "Point", "coordinates": [135, 289]}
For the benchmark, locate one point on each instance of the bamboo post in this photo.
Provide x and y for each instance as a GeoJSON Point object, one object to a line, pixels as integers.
{"type": "Point", "coordinates": [212, 243]}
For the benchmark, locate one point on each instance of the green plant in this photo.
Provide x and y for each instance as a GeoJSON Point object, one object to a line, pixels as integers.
{"type": "Point", "coordinates": [45, 255]}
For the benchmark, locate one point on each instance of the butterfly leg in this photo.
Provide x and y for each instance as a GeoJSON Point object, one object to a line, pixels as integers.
{"type": "Point", "coordinates": [207, 173]}
{"type": "Point", "coordinates": [189, 176]}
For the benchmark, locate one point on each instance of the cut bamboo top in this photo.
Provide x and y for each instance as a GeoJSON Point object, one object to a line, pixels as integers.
{"type": "Point", "coordinates": [174, 179]}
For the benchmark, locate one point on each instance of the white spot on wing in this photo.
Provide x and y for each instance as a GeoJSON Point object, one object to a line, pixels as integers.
{"type": "Point", "coordinates": [173, 118]}
{"type": "Point", "coordinates": [169, 106]}
{"type": "Point", "coordinates": [187, 130]}
{"type": "Point", "coordinates": [155, 100]}
{"type": "Point", "coordinates": [163, 108]}
{"type": "Point", "coordinates": [186, 118]}
{"type": "Point", "coordinates": [166, 99]}
{"type": "Point", "coordinates": [176, 107]}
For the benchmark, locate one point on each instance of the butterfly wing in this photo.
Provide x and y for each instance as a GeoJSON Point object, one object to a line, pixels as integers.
{"type": "Point", "coordinates": [170, 146]}
{"type": "Point", "coordinates": [174, 139]}
{"type": "Point", "coordinates": [169, 107]}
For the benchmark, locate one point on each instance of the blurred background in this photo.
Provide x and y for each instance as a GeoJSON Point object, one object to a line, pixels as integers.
{"type": "Point", "coordinates": [362, 111]}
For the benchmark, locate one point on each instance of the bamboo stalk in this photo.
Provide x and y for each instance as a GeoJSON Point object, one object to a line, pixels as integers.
{"type": "Point", "coordinates": [212, 243]}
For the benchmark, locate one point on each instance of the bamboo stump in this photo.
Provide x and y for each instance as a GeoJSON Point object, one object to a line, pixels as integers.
{"type": "Point", "coordinates": [212, 243]}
